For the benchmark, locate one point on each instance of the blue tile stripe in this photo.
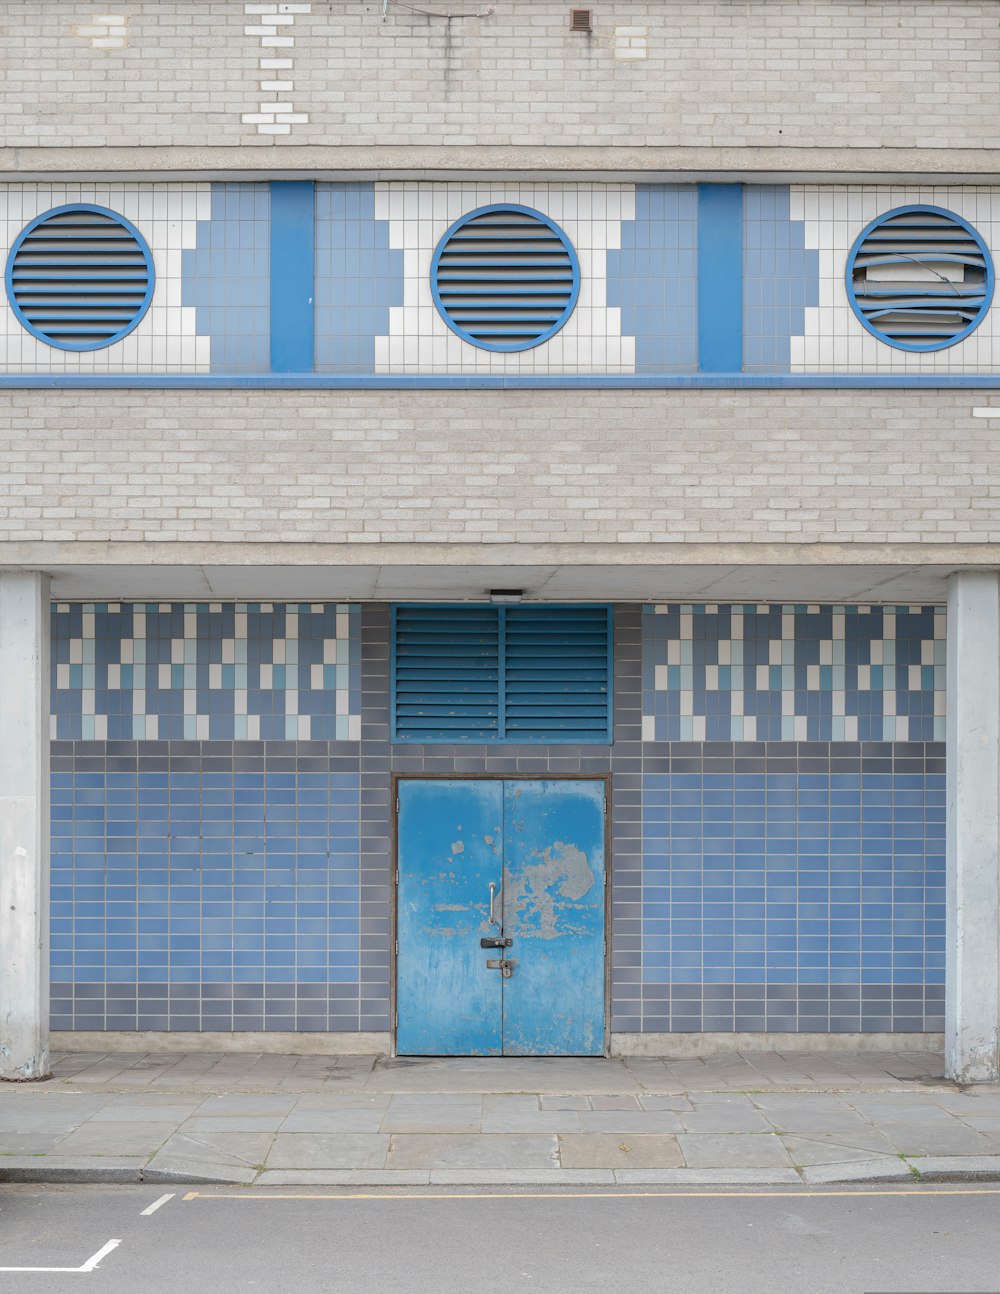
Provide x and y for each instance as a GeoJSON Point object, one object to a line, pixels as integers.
{"type": "Point", "coordinates": [720, 277]}
{"type": "Point", "coordinates": [371, 381]}
{"type": "Point", "coordinates": [793, 673]}
{"type": "Point", "coordinates": [292, 288]}
{"type": "Point", "coordinates": [204, 670]}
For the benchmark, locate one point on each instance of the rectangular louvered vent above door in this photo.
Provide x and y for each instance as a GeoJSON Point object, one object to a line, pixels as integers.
{"type": "Point", "coordinates": [556, 673]}
{"type": "Point", "coordinates": [446, 674]}
{"type": "Point", "coordinates": [514, 674]}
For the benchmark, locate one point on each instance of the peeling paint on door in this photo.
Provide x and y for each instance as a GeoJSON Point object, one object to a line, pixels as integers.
{"type": "Point", "coordinates": [554, 911]}
{"type": "Point", "coordinates": [543, 851]}
{"type": "Point", "coordinates": [543, 891]}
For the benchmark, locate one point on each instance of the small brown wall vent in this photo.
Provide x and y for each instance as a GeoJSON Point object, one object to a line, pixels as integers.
{"type": "Point", "coordinates": [579, 20]}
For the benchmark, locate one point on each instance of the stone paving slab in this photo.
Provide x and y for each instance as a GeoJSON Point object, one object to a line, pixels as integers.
{"type": "Point", "coordinates": [113, 1139]}
{"type": "Point", "coordinates": [272, 1120]}
{"type": "Point", "coordinates": [330, 1150]}
{"type": "Point", "coordinates": [617, 1076]}
{"type": "Point", "coordinates": [478, 1150]}
{"type": "Point", "coordinates": [731, 1150]}
{"type": "Point", "coordinates": [836, 1149]}
{"type": "Point", "coordinates": [601, 1150]}
{"type": "Point", "coordinates": [178, 1168]}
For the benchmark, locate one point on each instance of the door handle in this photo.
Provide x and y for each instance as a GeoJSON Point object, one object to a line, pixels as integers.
{"type": "Point", "coordinates": [493, 894]}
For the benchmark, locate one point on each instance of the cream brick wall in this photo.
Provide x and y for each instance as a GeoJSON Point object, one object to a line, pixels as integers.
{"type": "Point", "coordinates": [528, 466]}
{"type": "Point", "coordinates": [808, 73]}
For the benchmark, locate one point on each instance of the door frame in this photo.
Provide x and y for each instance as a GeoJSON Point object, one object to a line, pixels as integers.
{"type": "Point", "coordinates": [396, 778]}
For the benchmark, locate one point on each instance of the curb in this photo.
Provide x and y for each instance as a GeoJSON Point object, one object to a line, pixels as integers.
{"type": "Point", "coordinates": [930, 1170]}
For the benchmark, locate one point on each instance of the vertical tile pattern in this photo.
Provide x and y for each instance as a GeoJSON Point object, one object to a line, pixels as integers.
{"type": "Point", "coordinates": [780, 278]}
{"type": "Point", "coordinates": [226, 278]}
{"type": "Point", "coordinates": [653, 278]}
{"type": "Point", "coordinates": [206, 670]}
{"type": "Point", "coordinates": [358, 278]}
{"type": "Point", "coordinates": [788, 672]}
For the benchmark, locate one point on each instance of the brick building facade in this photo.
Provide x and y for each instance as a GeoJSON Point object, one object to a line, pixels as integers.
{"type": "Point", "coordinates": [330, 323]}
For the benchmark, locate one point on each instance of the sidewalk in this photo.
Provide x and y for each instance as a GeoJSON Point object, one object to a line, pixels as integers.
{"type": "Point", "coordinates": [262, 1120]}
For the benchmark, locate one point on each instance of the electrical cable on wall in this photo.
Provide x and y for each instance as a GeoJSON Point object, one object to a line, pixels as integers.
{"type": "Point", "coordinates": [430, 13]}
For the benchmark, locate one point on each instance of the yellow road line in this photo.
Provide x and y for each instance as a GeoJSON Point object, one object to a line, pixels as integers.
{"type": "Point", "coordinates": [623, 1193]}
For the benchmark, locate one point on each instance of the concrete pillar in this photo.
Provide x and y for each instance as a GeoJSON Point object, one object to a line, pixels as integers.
{"type": "Point", "coordinates": [972, 1009]}
{"type": "Point", "coordinates": [24, 825]}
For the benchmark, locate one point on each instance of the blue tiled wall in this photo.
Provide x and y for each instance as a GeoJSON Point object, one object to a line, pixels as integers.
{"type": "Point", "coordinates": [780, 278]}
{"type": "Point", "coordinates": [653, 278]}
{"type": "Point", "coordinates": [798, 878]}
{"type": "Point", "coordinates": [358, 278]}
{"type": "Point", "coordinates": [238, 884]}
{"type": "Point", "coordinates": [226, 278]}
{"type": "Point", "coordinates": [199, 877]}
{"type": "Point", "coordinates": [793, 672]}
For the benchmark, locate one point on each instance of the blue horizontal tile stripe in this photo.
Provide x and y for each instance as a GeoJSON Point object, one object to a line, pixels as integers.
{"type": "Point", "coordinates": [305, 381]}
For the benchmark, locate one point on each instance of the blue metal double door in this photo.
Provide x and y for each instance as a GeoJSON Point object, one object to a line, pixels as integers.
{"type": "Point", "coordinates": [500, 918]}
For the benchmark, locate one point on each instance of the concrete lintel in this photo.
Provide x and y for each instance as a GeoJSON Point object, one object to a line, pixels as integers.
{"type": "Point", "coordinates": [888, 557]}
{"type": "Point", "coordinates": [972, 1002]}
{"type": "Point", "coordinates": [24, 826]}
{"type": "Point", "coordinates": [692, 1046]}
{"type": "Point", "coordinates": [288, 160]}
{"type": "Point", "coordinates": [197, 572]}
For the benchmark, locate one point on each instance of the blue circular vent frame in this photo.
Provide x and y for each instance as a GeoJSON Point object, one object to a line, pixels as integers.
{"type": "Point", "coordinates": [510, 291]}
{"type": "Point", "coordinates": [920, 278]}
{"type": "Point", "coordinates": [80, 277]}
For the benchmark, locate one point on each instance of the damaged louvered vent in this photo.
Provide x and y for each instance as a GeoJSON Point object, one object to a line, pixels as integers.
{"type": "Point", "coordinates": [505, 278]}
{"type": "Point", "coordinates": [80, 278]}
{"type": "Point", "coordinates": [920, 279]}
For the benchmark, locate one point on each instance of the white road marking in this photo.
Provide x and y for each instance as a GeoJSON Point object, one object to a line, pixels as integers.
{"type": "Point", "coordinates": [91, 1263]}
{"type": "Point", "coordinates": [89, 1266]}
{"type": "Point", "coordinates": [158, 1204]}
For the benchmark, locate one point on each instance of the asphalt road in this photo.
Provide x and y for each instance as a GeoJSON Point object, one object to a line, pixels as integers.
{"type": "Point", "coordinates": [406, 1242]}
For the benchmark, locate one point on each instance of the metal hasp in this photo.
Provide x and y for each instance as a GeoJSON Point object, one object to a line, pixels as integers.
{"type": "Point", "coordinates": [547, 837]}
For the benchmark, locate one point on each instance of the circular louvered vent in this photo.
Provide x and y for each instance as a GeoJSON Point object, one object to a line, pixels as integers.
{"type": "Point", "coordinates": [505, 278]}
{"type": "Point", "coordinates": [919, 278]}
{"type": "Point", "coordinates": [80, 277]}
